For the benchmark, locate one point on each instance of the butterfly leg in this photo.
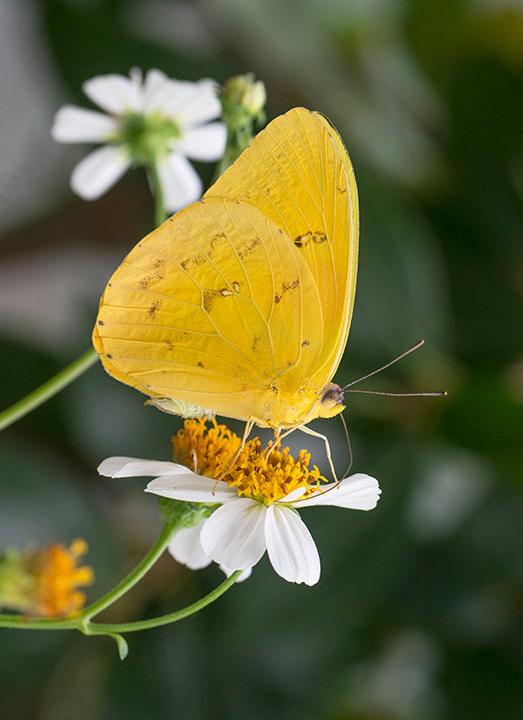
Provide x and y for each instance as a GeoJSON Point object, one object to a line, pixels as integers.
{"type": "Point", "coordinates": [246, 432]}
{"type": "Point", "coordinates": [325, 439]}
{"type": "Point", "coordinates": [278, 437]}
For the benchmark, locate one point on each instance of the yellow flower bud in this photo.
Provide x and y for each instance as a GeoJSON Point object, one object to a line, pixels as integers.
{"type": "Point", "coordinates": [45, 582]}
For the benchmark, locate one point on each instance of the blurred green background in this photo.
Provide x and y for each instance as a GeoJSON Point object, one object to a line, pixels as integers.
{"type": "Point", "coordinates": [418, 612]}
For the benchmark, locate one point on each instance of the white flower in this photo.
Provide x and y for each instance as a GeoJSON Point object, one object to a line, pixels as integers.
{"type": "Point", "coordinates": [238, 533]}
{"type": "Point", "coordinates": [186, 548]}
{"type": "Point", "coordinates": [157, 120]}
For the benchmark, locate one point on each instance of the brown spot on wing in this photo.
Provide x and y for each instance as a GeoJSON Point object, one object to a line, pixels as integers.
{"type": "Point", "coordinates": [156, 274]}
{"type": "Point", "coordinates": [153, 309]}
{"type": "Point", "coordinates": [209, 297]}
{"type": "Point", "coordinates": [217, 236]}
{"type": "Point", "coordinates": [317, 237]}
{"type": "Point", "coordinates": [246, 247]}
{"type": "Point", "coordinates": [192, 261]}
{"type": "Point", "coordinates": [287, 286]}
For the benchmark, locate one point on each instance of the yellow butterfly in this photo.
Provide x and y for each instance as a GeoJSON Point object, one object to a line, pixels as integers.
{"type": "Point", "coordinates": [240, 305]}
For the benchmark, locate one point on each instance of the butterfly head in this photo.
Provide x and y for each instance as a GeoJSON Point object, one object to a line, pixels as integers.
{"type": "Point", "coordinates": [332, 401]}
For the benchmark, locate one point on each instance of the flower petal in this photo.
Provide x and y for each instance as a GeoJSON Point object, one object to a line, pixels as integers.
{"type": "Point", "coordinates": [203, 143]}
{"type": "Point", "coordinates": [118, 467]}
{"type": "Point", "coordinates": [75, 124]}
{"type": "Point", "coordinates": [181, 183]}
{"type": "Point", "coordinates": [292, 551]}
{"type": "Point", "coordinates": [186, 548]}
{"type": "Point", "coordinates": [193, 103]}
{"type": "Point", "coordinates": [191, 487]}
{"type": "Point", "coordinates": [294, 495]}
{"type": "Point", "coordinates": [357, 492]}
{"type": "Point", "coordinates": [234, 534]}
{"type": "Point", "coordinates": [116, 94]}
{"type": "Point", "coordinates": [158, 91]}
{"type": "Point", "coordinates": [97, 172]}
{"type": "Point", "coordinates": [241, 577]}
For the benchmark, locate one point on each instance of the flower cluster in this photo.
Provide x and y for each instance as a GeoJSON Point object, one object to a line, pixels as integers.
{"type": "Point", "coordinates": [258, 493]}
{"type": "Point", "coordinates": [156, 122]}
{"type": "Point", "coordinates": [45, 582]}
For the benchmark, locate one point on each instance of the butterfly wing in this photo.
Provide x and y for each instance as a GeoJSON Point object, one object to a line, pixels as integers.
{"type": "Point", "coordinates": [297, 172]}
{"type": "Point", "coordinates": [211, 309]}
{"type": "Point", "coordinates": [242, 302]}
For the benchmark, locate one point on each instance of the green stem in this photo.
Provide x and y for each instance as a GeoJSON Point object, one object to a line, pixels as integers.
{"type": "Point", "coordinates": [70, 373]}
{"type": "Point", "coordinates": [50, 388]}
{"type": "Point", "coordinates": [111, 628]}
{"type": "Point", "coordinates": [83, 622]}
{"type": "Point", "coordinates": [160, 213]}
{"type": "Point", "coordinates": [134, 576]}
{"type": "Point", "coordinates": [21, 623]}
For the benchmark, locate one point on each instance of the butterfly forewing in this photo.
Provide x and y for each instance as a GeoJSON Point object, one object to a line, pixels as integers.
{"type": "Point", "coordinates": [210, 308]}
{"type": "Point", "coordinates": [298, 173]}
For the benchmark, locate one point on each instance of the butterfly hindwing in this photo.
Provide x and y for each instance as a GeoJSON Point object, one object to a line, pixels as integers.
{"type": "Point", "coordinates": [211, 309]}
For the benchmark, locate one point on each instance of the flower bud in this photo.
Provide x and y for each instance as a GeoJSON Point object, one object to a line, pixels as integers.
{"type": "Point", "coordinates": [44, 582]}
{"type": "Point", "coordinates": [243, 110]}
{"type": "Point", "coordinates": [243, 91]}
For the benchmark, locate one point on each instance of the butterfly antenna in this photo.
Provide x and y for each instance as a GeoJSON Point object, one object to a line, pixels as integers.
{"type": "Point", "coordinates": [349, 444]}
{"type": "Point", "coordinates": [412, 349]}
{"type": "Point", "coordinates": [438, 393]}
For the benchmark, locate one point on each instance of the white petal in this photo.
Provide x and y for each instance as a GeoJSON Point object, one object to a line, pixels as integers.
{"type": "Point", "coordinates": [158, 91]}
{"type": "Point", "coordinates": [75, 124]}
{"type": "Point", "coordinates": [181, 183]}
{"type": "Point", "coordinates": [136, 77]}
{"type": "Point", "coordinates": [357, 492]}
{"type": "Point", "coordinates": [234, 534]}
{"type": "Point", "coordinates": [117, 467]}
{"type": "Point", "coordinates": [241, 577]}
{"type": "Point", "coordinates": [97, 172]}
{"type": "Point", "coordinates": [175, 95]}
{"type": "Point", "coordinates": [192, 488]}
{"type": "Point", "coordinates": [116, 94]}
{"type": "Point", "coordinates": [293, 496]}
{"type": "Point", "coordinates": [292, 551]}
{"type": "Point", "coordinates": [186, 548]}
{"type": "Point", "coordinates": [203, 143]}
{"type": "Point", "coordinates": [193, 103]}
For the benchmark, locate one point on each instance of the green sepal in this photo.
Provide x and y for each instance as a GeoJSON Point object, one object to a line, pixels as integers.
{"type": "Point", "coordinates": [180, 514]}
{"type": "Point", "coordinates": [16, 581]}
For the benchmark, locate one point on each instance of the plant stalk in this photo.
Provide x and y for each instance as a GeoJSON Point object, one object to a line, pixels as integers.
{"type": "Point", "coordinates": [48, 390]}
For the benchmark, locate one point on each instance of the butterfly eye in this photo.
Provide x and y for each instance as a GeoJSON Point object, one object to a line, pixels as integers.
{"type": "Point", "coordinates": [333, 395]}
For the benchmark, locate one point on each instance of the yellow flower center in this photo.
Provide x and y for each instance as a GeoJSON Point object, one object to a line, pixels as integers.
{"type": "Point", "coordinates": [265, 475]}
{"type": "Point", "coordinates": [207, 451]}
{"type": "Point", "coordinates": [57, 577]}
